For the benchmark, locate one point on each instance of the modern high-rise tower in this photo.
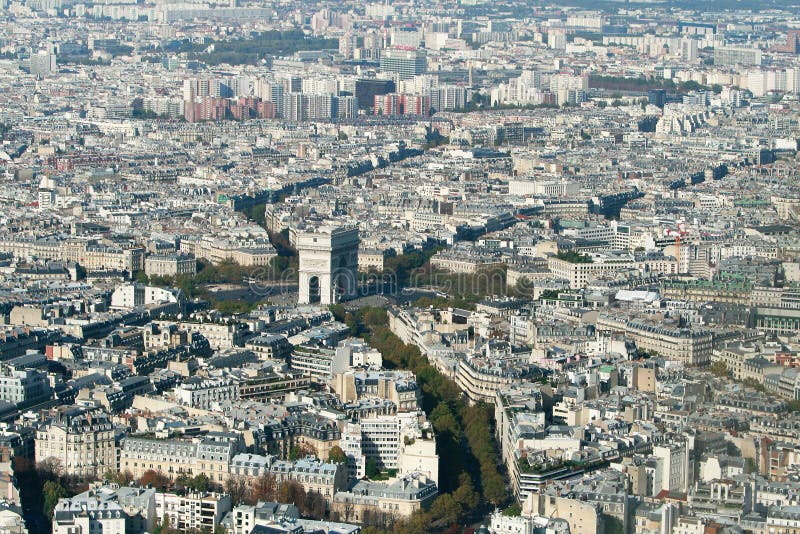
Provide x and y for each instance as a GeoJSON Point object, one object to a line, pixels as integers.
{"type": "Point", "coordinates": [405, 63]}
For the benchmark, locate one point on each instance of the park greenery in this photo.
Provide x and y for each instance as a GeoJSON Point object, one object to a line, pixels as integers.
{"type": "Point", "coordinates": [253, 49]}
{"type": "Point", "coordinates": [642, 84]}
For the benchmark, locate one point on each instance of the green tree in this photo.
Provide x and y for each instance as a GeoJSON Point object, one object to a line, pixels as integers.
{"type": "Point", "coordinates": [573, 257]}
{"type": "Point", "coordinates": [201, 482]}
{"type": "Point", "coordinates": [237, 488]}
{"type": "Point", "coordinates": [122, 478]}
{"type": "Point", "coordinates": [418, 523]}
{"type": "Point", "coordinates": [494, 487]}
{"type": "Point", "coordinates": [314, 505]}
{"type": "Point", "coordinates": [753, 383]}
{"type": "Point", "coordinates": [719, 369]}
{"type": "Point", "coordinates": [691, 85]}
{"type": "Point", "coordinates": [264, 489]}
{"type": "Point", "coordinates": [52, 491]}
{"type": "Point", "coordinates": [338, 312]}
{"type": "Point", "coordinates": [445, 509]}
{"type": "Point", "coordinates": [352, 323]}
{"type": "Point", "coordinates": [257, 214]}
{"type": "Point", "coordinates": [612, 525]}
{"type": "Point", "coordinates": [163, 526]}
{"type": "Point", "coordinates": [466, 494]}
{"type": "Point", "coordinates": [443, 420]}
{"type": "Point", "coordinates": [374, 316]}
{"type": "Point", "coordinates": [372, 468]}
{"type": "Point", "coordinates": [292, 492]}
{"type": "Point", "coordinates": [336, 455]}
{"type": "Point", "coordinates": [153, 478]}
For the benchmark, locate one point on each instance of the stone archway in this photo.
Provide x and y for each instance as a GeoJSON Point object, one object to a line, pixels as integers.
{"type": "Point", "coordinates": [313, 290]}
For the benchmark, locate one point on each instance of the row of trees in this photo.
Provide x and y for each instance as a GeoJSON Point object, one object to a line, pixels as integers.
{"type": "Point", "coordinates": [266, 488]}
{"type": "Point", "coordinates": [469, 477]}
{"type": "Point", "coordinates": [467, 289]}
{"type": "Point", "coordinates": [640, 84]}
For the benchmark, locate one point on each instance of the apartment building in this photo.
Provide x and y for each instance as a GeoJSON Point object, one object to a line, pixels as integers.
{"type": "Point", "coordinates": [688, 345]}
{"type": "Point", "coordinates": [465, 262]}
{"type": "Point", "coordinates": [162, 337]}
{"type": "Point", "coordinates": [206, 393]}
{"type": "Point", "coordinates": [248, 253]}
{"type": "Point", "coordinates": [673, 459]}
{"type": "Point", "coordinates": [318, 363]}
{"type": "Point", "coordinates": [25, 388]}
{"type": "Point", "coordinates": [519, 412]}
{"type": "Point", "coordinates": [579, 274]}
{"type": "Point", "coordinates": [270, 346]}
{"type": "Point", "coordinates": [480, 377]}
{"type": "Point", "coordinates": [315, 475]}
{"type": "Point", "coordinates": [210, 454]}
{"type": "Point", "coordinates": [170, 265]}
{"type": "Point", "coordinates": [135, 295]}
{"type": "Point", "coordinates": [219, 335]}
{"type": "Point", "coordinates": [84, 515]}
{"type": "Point", "coordinates": [399, 387]}
{"type": "Point", "coordinates": [194, 511]}
{"type": "Point", "coordinates": [399, 441]}
{"type": "Point", "coordinates": [271, 384]}
{"type": "Point", "coordinates": [90, 255]}
{"type": "Point", "coordinates": [80, 441]}
{"type": "Point", "coordinates": [137, 503]}
{"type": "Point", "coordinates": [398, 499]}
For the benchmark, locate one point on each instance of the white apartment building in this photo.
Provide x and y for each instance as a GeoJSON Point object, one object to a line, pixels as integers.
{"type": "Point", "coordinates": [398, 442]}
{"type": "Point", "coordinates": [134, 295]}
{"type": "Point", "coordinates": [674, 463]}
{"type": "Point", "coordinates": [193, 511]}
{"type": "Point", "coordinates": [206, 393]}
{"type": "Point", "coordinates": [88, 516]}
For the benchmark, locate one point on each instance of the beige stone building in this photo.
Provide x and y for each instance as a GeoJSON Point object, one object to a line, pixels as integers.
{"type": "Point", "coordinates": [80, 442]}
{"type": "Point", "coordinates": [399, 498]}
{"type": "Point", "coordinates": [580, 274]}
{"type": "Point", "coordinates": [170, 265]}
{"type": "Point", "coordinates": [399, 387]}
{"type": "Point", "coordinates": [583, 518]}
{"type": "Point", "coordinates": [210, 455]}
{"type": "Point", "coordinates": [314, 474]}
{"type": "Point", "coordinates": [247, 252]}
{"type": "Point", "coordinates": [691, 346]}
